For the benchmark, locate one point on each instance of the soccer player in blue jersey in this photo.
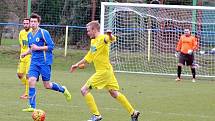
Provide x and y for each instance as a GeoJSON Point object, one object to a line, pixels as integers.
{"type": "Point", "coordinates": [41, 46]}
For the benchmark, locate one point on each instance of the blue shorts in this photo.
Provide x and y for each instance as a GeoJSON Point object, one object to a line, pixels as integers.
{"type": "Point", "coordinates": [37, 70]}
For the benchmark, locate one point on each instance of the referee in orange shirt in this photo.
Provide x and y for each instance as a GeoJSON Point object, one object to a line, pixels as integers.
{"type": "Point", "coordinates": [186, 45]}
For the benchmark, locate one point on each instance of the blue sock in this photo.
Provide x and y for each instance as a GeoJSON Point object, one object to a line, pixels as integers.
{"type": "Point", "coordinates": [32, 97]}
{"type": "Point", "coordinates": [57, 87]}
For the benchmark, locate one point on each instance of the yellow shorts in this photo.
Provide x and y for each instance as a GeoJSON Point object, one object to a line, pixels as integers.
{"type": "Point", "coordinates": [23, 66]}
{"type": "Point", "coordinates": [101, 79]}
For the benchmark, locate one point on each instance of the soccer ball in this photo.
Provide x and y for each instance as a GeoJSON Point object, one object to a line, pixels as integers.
{"type": "Point", "coordinates": [39, 115]}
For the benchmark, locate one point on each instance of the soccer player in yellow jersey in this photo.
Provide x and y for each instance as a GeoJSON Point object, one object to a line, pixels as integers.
{"type": "Point", "coordinates": [24, 63]}
{"type": "Point", "coordinates": [104, 76]}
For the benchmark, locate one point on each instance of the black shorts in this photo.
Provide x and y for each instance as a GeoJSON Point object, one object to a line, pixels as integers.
{"type": "Point", "coordinates": [186, 59]}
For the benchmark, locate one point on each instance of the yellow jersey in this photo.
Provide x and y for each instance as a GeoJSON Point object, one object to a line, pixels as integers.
{"type": "Point", "coordinates": [23, 42]}
{"type": "Point", "coordinates": [99, 52]}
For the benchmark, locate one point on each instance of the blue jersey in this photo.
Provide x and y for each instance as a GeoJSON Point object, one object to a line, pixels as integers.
{"type": "Point", "coordinates": [41, 38]}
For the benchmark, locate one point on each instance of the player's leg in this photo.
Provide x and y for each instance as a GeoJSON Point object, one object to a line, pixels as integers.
{"type": "Point", "coordinates": [95, 81]}
{"type": "Point", "coordinates": [113, 88]}
{"type": "Point", "coordinates": [25, 94]}
{"type": "Point", "coordinates": [45, 71]}
{"type": "Point", "coordinates": [193, 70]}
{"type": "Point", "coordinates": [32, 94]}
{"type": "Point", "coordinates": [27, 66]}
{"type": "Point", "coordinates": [179, 70]}
{"type": "Point", "coordinates": [21, 76]}
{"type": "Point", "coordinates": [26, 87]}
{"type": "Point", "coordinates": [96, 116]}
{"type": "Point", "coordinates": [180, 65]}
{"type": "Point", "coordinates": [190, 62]}
{"type": "Point", "coordinates": [21, 73]}
{"type": "Point", "coordinates": [33, 75]}
{"type": "Point", "coordinates": [32, 91]}
{"type": "Point", "coordinates": [57, 87]}
{"type": "Point", "coordinates": [125, 103]}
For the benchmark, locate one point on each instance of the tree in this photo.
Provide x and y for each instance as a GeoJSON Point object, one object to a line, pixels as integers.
{"type": "Point", "coordinates": [11, 7]}
{"type": "Point", "coordinates": [2, 17]}
{"type": "Point", "coordinates": [93, 2]}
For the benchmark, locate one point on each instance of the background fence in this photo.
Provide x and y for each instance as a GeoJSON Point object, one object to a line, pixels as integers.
{"type": "Point", "coordinates": [57, 14]}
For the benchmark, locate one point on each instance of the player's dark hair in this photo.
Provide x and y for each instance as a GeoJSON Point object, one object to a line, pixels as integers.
{"type": "Point", "coordinates": [34, 15]}
{"type": "Point", "coordinates": [26, 19]}
{"type": "Point", "coordinates": [155, 2]}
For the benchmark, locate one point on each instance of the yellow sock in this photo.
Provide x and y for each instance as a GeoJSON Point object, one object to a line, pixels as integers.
{"type": "Point", "coordinates": [26, 87]}
{"type": "Point", "coordinates": [23, 80]}
{"type": "Point", "coordinates": [91, 104]}
{"type": "Point", "coordinates": [123, 100]}
{"type": "Point", "coordinates": [26, 83]}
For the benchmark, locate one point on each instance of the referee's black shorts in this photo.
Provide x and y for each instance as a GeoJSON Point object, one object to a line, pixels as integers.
{"type": "Point", "coordinates": [186, 59]}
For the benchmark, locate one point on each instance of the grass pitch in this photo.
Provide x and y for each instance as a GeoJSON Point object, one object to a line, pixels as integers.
{"type": "Point", "coordinates": [158, 98]}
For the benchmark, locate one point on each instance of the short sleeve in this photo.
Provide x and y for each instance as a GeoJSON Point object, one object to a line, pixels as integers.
{"type": "Point", "coordinates": [88, 57]}
{"type": "Point", "coordinates": [107, 39]}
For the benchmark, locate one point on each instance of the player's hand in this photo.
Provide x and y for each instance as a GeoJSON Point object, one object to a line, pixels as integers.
{"type": "Point", "coordinates": [23, 55]}
{"type": "Point", "coordinates": [34, 47]}
{"type": "Point", "coordinates": [81, 66]}
{"type": "Point", "coordinates": [109, 32]}
{"type": "Point", "coordinates": [73, 68]}
{"type": "Point", "coordinates": [190, 52]}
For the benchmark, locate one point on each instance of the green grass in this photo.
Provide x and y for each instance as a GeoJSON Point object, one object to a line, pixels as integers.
{"type": "Point", "coordinates": [158, 98]}
{"type": "Point", "coordinates": [162, 62]}
{"type": "Point", "coordinates": [10, 42]}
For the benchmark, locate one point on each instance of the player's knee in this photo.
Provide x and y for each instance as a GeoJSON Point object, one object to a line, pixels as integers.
{"type": "Point", "coordinates": [20, 75]}
{"type": "Point", "coordinates": [84, 91]}
{"type": "Point", "coordinates": [113, 93]}
{"type": "Point", "coordinates": [32, 81]}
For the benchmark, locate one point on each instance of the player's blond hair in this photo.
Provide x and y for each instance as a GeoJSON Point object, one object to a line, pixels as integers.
{"type": "Point", "coordinates": [94, 25]}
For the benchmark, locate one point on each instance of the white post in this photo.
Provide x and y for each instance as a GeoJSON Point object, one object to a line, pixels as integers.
{"type": "Point", "coordinates": [157, 6]}
{"type": "Point", "coordinates": [66, 39]}
{"type": "Point", "coordinates": [102, 18]}
{"type": "Point", "coordinates": [149, 44]}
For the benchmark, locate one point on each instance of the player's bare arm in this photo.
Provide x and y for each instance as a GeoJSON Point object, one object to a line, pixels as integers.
{"type": "Point", "coordinates": [81, 64]}
{"type": "Point", "coordinates": [35, 47]}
